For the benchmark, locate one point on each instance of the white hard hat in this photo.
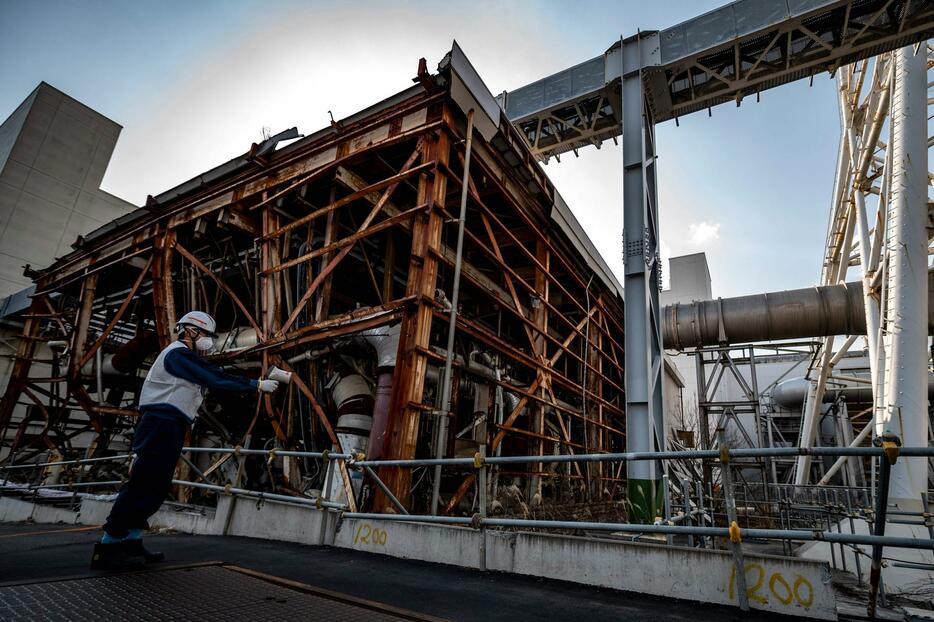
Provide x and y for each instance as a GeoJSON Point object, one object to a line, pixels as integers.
{"type": "Point", "coordinates": [197, 319]}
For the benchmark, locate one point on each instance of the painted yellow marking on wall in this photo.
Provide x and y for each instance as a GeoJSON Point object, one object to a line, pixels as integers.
{"type": "Point", "coordinates": [801, 592]}
{"type": "Point", "coordinates": [367, 534]}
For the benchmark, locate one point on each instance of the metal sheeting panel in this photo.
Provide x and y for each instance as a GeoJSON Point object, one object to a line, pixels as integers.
{"type": "Point", "coordinates": [729, 22]}
{"type": "Point", "coordinates": [471, 92]}
{"type": "Point", "coordinates": [563, 86]}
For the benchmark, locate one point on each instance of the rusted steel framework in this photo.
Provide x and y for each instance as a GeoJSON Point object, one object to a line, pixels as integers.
{"type": "Point", "coordinates": [302, 251]}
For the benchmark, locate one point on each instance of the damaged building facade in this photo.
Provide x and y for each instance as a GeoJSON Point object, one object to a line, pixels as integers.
{"type": "Point", "coordinates": [334, 256]}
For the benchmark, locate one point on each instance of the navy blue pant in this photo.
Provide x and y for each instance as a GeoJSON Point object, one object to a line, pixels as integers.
{"type": "Point", "coordinates": [160, 435]}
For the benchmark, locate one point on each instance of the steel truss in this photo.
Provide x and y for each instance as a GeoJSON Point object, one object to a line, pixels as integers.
{"type": "Point", "coordinates": [861, 232]}
{"type": "Point", "coordinates": [297, 252]}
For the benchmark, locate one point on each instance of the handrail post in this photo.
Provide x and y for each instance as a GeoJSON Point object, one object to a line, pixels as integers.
{"type": "Point", "coordinates": [323, 495]}
{"type": "Point", "coordinates": [735, 538]}
{"type": "Point", "coordinates": [688, 519]}
{"type": "Point", "coordinates": [480, 462]}
{"type": "Point", "coordinates": [890, 444]}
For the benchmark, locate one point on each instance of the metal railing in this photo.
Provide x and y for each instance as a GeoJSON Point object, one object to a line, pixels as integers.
{"type": "Point", "coordinates": [680, 525]}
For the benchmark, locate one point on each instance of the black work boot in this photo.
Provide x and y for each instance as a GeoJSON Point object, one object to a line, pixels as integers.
{"type": "Point", "coordinates": [135, 549]}
{"type": "Point", "coordinates": [111, 556]}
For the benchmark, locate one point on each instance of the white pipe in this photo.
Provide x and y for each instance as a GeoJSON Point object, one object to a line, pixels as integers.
{"type": "Point", "coordinates": [870, 305]}
{"type": "Point", "coordinates": [843, 350]}
{"type": "Point", "coordinates": [906, 405]}
{"type": "Point", "coordinates": [842, 460]}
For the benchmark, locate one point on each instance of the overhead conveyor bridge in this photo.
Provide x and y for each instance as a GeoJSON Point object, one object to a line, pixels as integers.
{"type": "Point", "coordinates": [735, 51]}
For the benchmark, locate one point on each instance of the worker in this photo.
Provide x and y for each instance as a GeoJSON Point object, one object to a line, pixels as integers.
{"type": "Point", "coordinates": [169, 401]}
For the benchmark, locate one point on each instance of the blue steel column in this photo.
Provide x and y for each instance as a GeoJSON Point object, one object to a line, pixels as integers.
{"type": "Point", "coordinates": [645, 425]}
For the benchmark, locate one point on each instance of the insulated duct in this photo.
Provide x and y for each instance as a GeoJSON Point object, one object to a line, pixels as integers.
{"type": "Point", "coordinates": [791, 393]}
{"type": "Point", "coordinates": [354, 400]}
{"type": "Point", "coordinates": [238, 339]}
{"type": "Point", "coordinates": [128, 357]}
{"type": "Point", "coordinates": [385, 340]}
{"type": "Point", "coordinates": [792, 314]}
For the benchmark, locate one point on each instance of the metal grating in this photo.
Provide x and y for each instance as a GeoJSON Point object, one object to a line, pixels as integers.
{"type": "Point", "coordinates": [203, 593]}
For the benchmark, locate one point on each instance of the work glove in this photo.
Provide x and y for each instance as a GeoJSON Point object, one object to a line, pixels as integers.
{"type": "Point", "coordinates": [279, 375]}
{"type": "Point", "coordinates": [267, 386]}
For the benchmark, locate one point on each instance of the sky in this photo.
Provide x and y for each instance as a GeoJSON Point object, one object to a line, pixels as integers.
{"type": "Point", "coordinates": [195, 83]}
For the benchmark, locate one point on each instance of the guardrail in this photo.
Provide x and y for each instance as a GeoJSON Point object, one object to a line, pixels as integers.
{"type": "Point", "coordinates": [888, 453]}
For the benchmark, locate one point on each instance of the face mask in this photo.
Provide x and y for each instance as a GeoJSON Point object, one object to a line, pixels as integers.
{"type": "Point", "coordinates": [204, 343]}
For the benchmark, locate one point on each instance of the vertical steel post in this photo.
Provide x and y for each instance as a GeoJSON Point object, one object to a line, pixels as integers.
{"type": "Point", "coordinates": [726, 479]}
{"type": "Point", "coordinates": [645, 416]}
{"type": "Point", "coordinates": [480, 460]}
{"type": "Point", "coordinates": [666, 491]}
{"type": "Point", "coordinates": [686, 491]}
{"type": "Point", "coordinates": [323, 495]}
{"type": "Point", "coordinates": [856, 555]}
{"type": "Point", "coordinates": [442, 429]}
{"type": "Point", "coordinates": [890, 444]}
{"type": "Point", "coordinates": [700, 506]}
{"type": "Point", "coordinates": [703, 421]}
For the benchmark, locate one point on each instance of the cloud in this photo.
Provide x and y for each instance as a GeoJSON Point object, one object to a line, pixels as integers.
{"type": "Point", "coordinates": [704, 232]}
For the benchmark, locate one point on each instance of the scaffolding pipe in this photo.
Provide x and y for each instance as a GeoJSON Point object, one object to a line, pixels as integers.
{"type": "Point", "coordinates": [316, 502]}
{"type": "Point", "coordinates": [838, 464]}
{"type": "Point", "coordinates": [693, 454]}
{"type": "Point", "coordinates": [889, 442]}
{"type": "Point", "coordinates": [35, 465]}
{"type": "Point", "coordinates": [392, 498]}
{"type": "Point", "coordinates": [442, 435]}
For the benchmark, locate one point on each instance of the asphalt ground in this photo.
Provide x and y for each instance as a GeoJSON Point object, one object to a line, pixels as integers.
{"type": "Point", "coordinates": [32, 553]}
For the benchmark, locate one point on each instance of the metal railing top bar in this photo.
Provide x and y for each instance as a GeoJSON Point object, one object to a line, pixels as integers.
{"type": "Point", "coordinates": [693, 454]}
{"type": "Point", "coordinates": [656, 455]}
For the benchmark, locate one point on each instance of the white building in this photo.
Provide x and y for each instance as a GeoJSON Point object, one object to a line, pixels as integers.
{"type": "Point", "coordinates": [54, 151]}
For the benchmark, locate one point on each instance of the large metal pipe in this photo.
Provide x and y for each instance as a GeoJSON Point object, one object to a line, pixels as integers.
{"type": "Point", "coordinates": [906, 403]}
{"type": "Point", "coordinates": [790, 393]}
{"type": "Point", "coordinates": [792, 314]}
{"type": "Point", "coordinates": [385, 340]}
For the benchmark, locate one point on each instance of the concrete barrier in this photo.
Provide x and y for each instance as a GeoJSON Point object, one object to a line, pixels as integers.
{"type": "Point", "coordinates": [779, 584]}
{"type": "Point", "coordinates": [783, 585]}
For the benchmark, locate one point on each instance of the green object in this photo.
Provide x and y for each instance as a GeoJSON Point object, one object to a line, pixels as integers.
{"type": "Point", "coordinates": [645, 500]}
